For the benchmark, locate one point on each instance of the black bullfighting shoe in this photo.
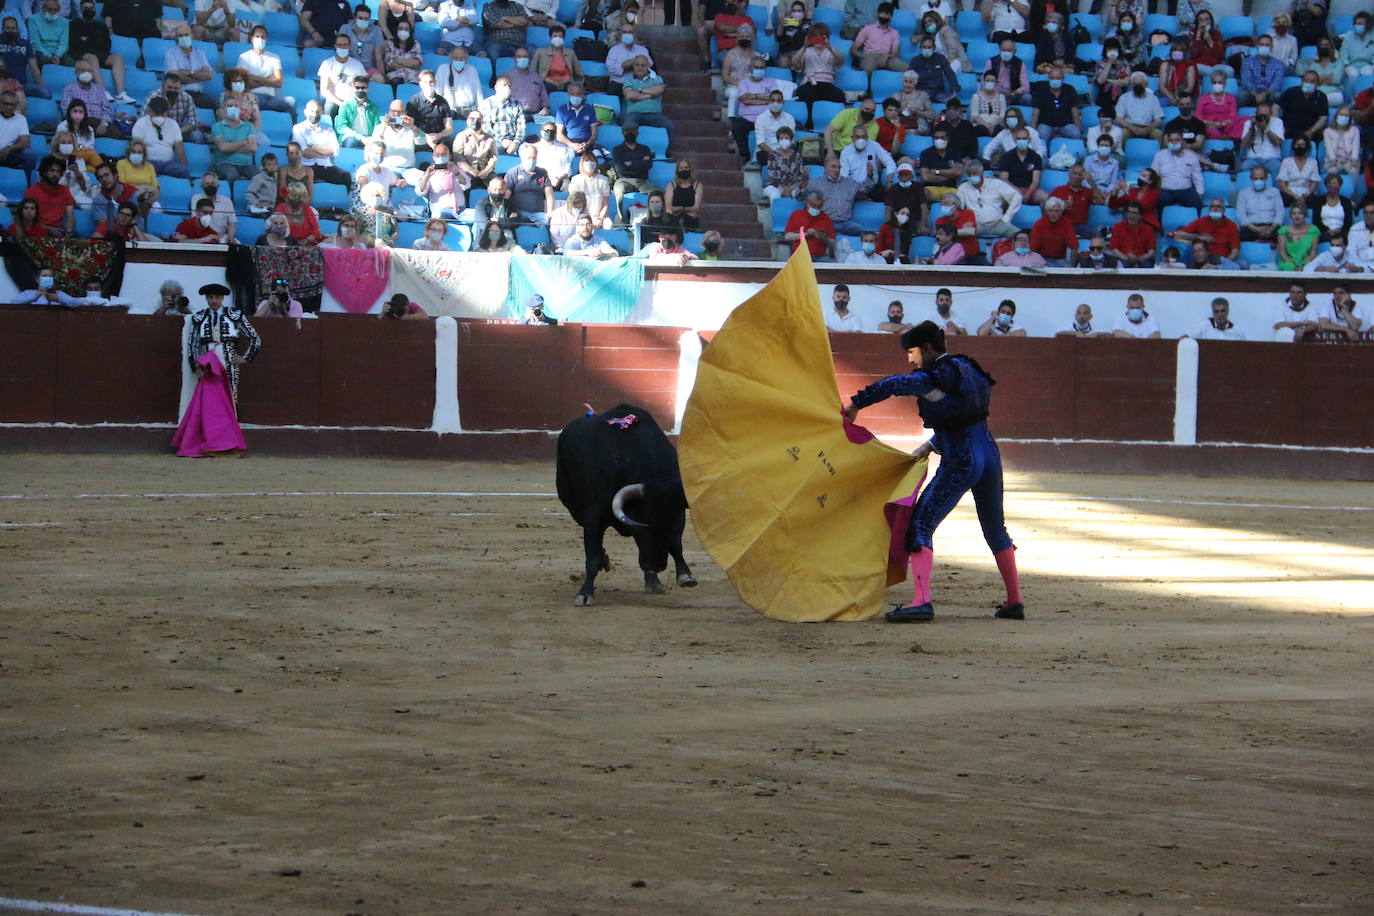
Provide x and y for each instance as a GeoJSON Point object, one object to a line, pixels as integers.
{"type": "Point", "coordinates": [1011, 611]}
{"type": "Point", "coordinates": [912, 613]}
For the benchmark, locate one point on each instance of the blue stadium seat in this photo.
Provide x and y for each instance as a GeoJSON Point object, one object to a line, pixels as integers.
{"type": "Point", "coordinates": [1218, 184]}
{"type": "Point", "coordinates": [832, 17]}
{"type": "Point", "coordinates": [1233, 27]}
{"type": "Point", "coordinates": [904, 21]}
{"type": "Point", "coordinates": [1077, 147]}
{"type": "Point", "coordinates": [330, 195]}
{"type": "Point", "coordinates": [427, 34]}
{"type": "Point", "coordinates": [311, 58]}
{"type": "Point", "coordinates": [1100, 217]}
{"type": "Point", "coordinates": [1093, 25]}
{"type": "Point", "coordinates": [483, 65]}
{"type": "Point", "coordinates": [406, 91]}
{"type": "Point", "coordinates": [781, 209]}
{"type": "Point", "coordinates": [125, 47]}
{"type": "Point", "coordinates": [611, 136]}
{"type": "Point", "coordinates": [197, 157]}
{"type": "Point", "coordinates": [970, 26]}
{"type": "Point", "coordinates": [1160, 22]}
{"type": "Point", "coordinates": [885, 84]}
{"type": "Point", "coordinates": [231, 51]}
{"type": "Point", "coordinates": [1173, 217]}
{"type": "Point", "coordinates": [1140, 152]}
{"type": "Point", "coordinates": [110, 148]}
{"type": "Point", "coordinates": [1053, 178]}
{"type": "Point", "coordinates": [1257, 255]}
{"type": "Point", "coordinates": [175, 194]}
{"type": "Point", "coordinates": [618, 239]}
{"type": "Point", "coordinates": [282, 27]}
{"type": "Point", "coordinates": [913, 144]}
{"type": "Point", "coordinates": [155, 51]}
{"type": "Point", "coordinates": [505, 162]}
{"type": "Point", "coordinates": [528, 237]}
{"type": "Point", "coordinates": [823, 112]}
{"type": "Point", "coordinates": [300, 89]}
{"type": "Point", "coordinates": [850, 80]}
{"type": "Point", "coordinates": [1025, 216]}
{"type": "Point", "coordinates": [656, 139]}
{"type": "Point", "coordinates": [138, 83]}
{"type": "Point", "coordinates": [798, 112]}
{"type": "Point", "coordinates": [349, 158]}
{"type": "Point", "coordinates": [13, 184]}
{"type": "Point", "coordinates": [250, 229]}
{"type": "Point", "coordinates": [56, 75]}
{"type": "Point", "coordinates": [1090, 115]}
{"type": "Point", "coordinates": [381, 95]}
{"type": "Point", "coordinates": [567, 10]}
{"type": "Point", "coordinates": [408, 232]}
{"type": "Point", "coordinates": [606, 100]}
{"type": "Point", "coordinates": [869, 214]}
{"type": "Point", "coordinates": [980, 52]}
{"type": "Point", "coordinates": [163, 225]}
{"type": "Point", "coordinates": [42, 111]}
{"type": "Point", "coordinates": [662, 173]}
{"type": "Point", "coordinates": [238, 193]}
{"type": "Point", "coordinates": [458, 237]}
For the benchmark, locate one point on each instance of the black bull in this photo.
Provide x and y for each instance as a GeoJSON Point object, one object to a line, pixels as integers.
{"type": "Point", "coordinates": [624, 475]}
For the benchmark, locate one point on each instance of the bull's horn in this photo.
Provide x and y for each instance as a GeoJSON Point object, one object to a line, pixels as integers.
{"type": "Point", "coordinates": [631, 491]}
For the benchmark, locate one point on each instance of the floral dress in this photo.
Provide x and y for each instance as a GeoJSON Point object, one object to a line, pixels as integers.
{"type": "Point", "coordinates": [396, 72]}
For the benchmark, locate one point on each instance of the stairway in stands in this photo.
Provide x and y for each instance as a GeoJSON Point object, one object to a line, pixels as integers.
{"type": "Point", "coordinates": [697, 135]}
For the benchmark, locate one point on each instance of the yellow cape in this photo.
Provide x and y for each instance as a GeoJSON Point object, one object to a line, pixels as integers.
{"type": "Point", "coordinates": [781, 498]}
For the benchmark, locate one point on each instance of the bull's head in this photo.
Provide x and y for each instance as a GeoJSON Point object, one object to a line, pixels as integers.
{"type": "Point", "coordinates": [631, 491]}
{"type": "Point", "coordinates": [660, 513]}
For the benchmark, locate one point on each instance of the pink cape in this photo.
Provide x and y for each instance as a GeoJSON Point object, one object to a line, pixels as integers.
{"type": "Point", "coordinates": [898, 512]}
{"type": "Point", "coordinates": [211, 424]}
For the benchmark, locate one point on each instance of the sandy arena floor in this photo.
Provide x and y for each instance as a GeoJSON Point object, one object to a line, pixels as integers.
{"type": "Point", "coordinates": [280, 704]}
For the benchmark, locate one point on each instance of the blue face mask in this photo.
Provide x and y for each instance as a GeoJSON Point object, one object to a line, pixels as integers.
{"type": "Point", "coordinates": [1023, 144]}
{"type": "Point", "coordinates": [1007, 55]}
{"type": "Point", "coordinates": [1135, 314]}
{"type": "Point", "coordinates": [1260, 184]}
{"type": "Point", "coordinates": [1127, 26]}
{"type": "Point", "coordinates": [975, 180]}
{"type": "Point", "coordinates": [1051, 27]}
{"type": "Point", "coordinates": [1022, 251]}
{"type": "Point", "coordinates": [869, 247]}
{"type": "Point", "coordinates": [926, 52]}
{"type": "Point", "coordinates": [522, 63]}
{"type": "Point", "coordinates": [1055, 84]}
{"type": "Point", "coordinates": [905, 184]}
{"type": "Point", "coordinates": [45, 282]}
{"type": "Point", "coordinates": [757, 73]}
{"type": "Point", "coordinates": [1003, 320]}
{"type": "Point", "coordinates": [930, 28]}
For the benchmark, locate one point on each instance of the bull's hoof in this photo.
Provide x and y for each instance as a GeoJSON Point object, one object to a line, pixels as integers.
{"type": "Point", "coordinates": [687, 580]}
{"type": "Point", "coordinates": [654, 588]}
{"type": "Point", "coordinates": [582, 600]}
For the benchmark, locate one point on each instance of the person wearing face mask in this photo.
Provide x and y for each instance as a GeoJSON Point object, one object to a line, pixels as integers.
{"type": "Point", "coordinates": [993, 201]}
{"type": "Point", "coordinates": [1221, 235]}
{"type": "Point", "coordinates": [460, 84]}
{"type": "Point", "coordinates": [400, 14]}
{"type": "Point", "coordinates": [358, 118]}
{"type": "Point", "coordinates": [787, 174]}
{"type": "Point", "coordinates": [1219, 327]}
{"type": "Point", "coordinates": [1005, 19]}
{"type": "Point", "coordinates": [576, 121]}
{"type": "Point", "coordinates": [161, 138]}
{"type": "Point", "coordinates": [47, 292]}
{"type": "Point", "coordinates": [234, 143]}
{"type": "Point", "coordinates": [322, 20]}
{"type": "Point", "coordinates": [92, 94]}
{"type": "Point", "coordinates": [49, 33]}
{"type": "Point", "coordinates": [841, 318]}
{"type": "Point", "coordinates": [236, 94]}
{"type": "Point", "coordinates": [319, 144]}
{"type": "Point", "coordinates": [346, 236]}
{"type": "Point", "coordinates": [1111, 74]}
{"type": "Point", "coordinates": [933, 73]}
{"type": "Point", "coordinates": [1002, 322]}
{"type": "Point", "coordinates": [643, 91]}
{"type": "Point", "coordinates": [263, 73]}
{"type": "Point", "coordinates": [876, 46]}
{"type": "Point", "coordinates": [89, 41]}
{"type": "Point", "coordinates": [685, 196]}
{"type": "Point", "coordinates": [1055, 108]}
{"type": "Point", "coordinates": [730, 16]}
{"type": "Point", "coordinates": [1357, 51]}
{"type": "Point", "coordinates": [746, 100]}
{"type": "Point", "coordinates": [988, 107]}
{"type": "Point", "coordinates": [1022, 168]}
{"type": "Point", "coordinates": [17, 54]}
{"type": "Point", "coordinates": [1097, 257]}
{"type": "Point", "coordinates": [367, 44]}
{"type": "Point", "coordinates": [736, 65]}
{"type": "Point", "coordinates": [1082, 324]}
{"type": "Point", "coordinates": [553, 157]}
{"type": "Point", "coordinates": [1021, 254]}
{"type": "Point", "coordinates": [1261, 74]}
{"type": "Point", "coordinates": [444, 185]}
{"type": "Point", "coordinates": [1134, 240]}
{"type": "Point", "coordinates": [1178, 75]}
{"type": "Point", "coordinates": [398, 135]}
{"type": "Point", "coordinates": [793, 22]}
{"type": "Point", "coordinates": [530, 190]}
{"type": "Point", "coordinates": [1329, 72]}
{"type": "Point", "coordinates": [295, 171]}
{"type": "Point", "coordinates": [712, 247]}
{"type": "Point", "coordinates": [527, 88]}
{"type": "Point", "coordinates": [1335, 259]}
{"type": "Point", "coordinates": [303, 220]}
{"type": "Point", "coordinates": [840, 131]}
{"type": "Point", "coordinates": [867, 164]}
{"type": "Point", "coordinates": [504, 26]}
{"type": "Point", "coordinates": [767, 124]}
{"type": "Point", "coordinates": [433, 238]}
{"type": "Point", "coordinates": [1055, 46]}
{"type": "Point", "coordinates": [628, 47]}
{"type": "Point", "coordinates": [1114, 12]}
{"type": "Point", "coordinates": [906, 192]}
{"type": "Point", "coordinates": [277, 233]}
{"type": "Point", "coordinates": [1218, 113]}
{"type": "Point", "coordinates": [1299, 177]}
{"type": "Point", "coordinates": [818, 63]}
{"type": "Point", "coordinates": [940, 171]}
{"type": "Point", "coordinates": [896, 321]}
{"type": "Point", "coordinates": [504, 118]}
{"type": "Point", "coordinates": [1341, 142]}
{"type": "Point", "coordinates": [867, 252]}
{"type": "Point", "coordinates": [1206, 47]}
{"type": "Point", "coordinates": [189, 63]}
{"type": "Point", "coordinates": [632, 162]}
{"type": "Point", "coordinates": [1259, 208]}
{"type": "Point", "coordinates": [813, 226]}
{"type": "Point", "coordinates": [401, 57]}
{"type": "Point", "coordinates": [556, 63]}
{"type": "Point", "coordinates": [1305, 110]}
{"type": "Point", "coordinates": [1053, 236]}
{"type": "Point", "coordinates": [1139, 112]}
{"type": "Point", "coordinates": [1004, 140]}
{"type": "Point", "coordinates": [199, 226]}
{"type": "Point", "coordinates": [947, 40]}
{"type": "Point", "coordinates": [338, 75]}
{"type": "Point", "coordinates": [1180, 173]}
{"type": "Point", "coordinates": [1010, 73]}
{"type": "Point", "coordinates": [458, 21]}
{"type": "Point", "coordinates": [135, 169]}
{"type": "Point", "coordinates": [1135, 322]}
{"type": "Point", "coordinates": [1102, 169]}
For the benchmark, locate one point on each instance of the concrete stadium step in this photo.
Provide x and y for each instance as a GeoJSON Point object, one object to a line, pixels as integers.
{"type": "Point", "coordinates": [689, 129]}
{"type": "Point", "coordinates": [677, 62]}
{"type": "Point", "coordinates": [692, 110]}
{"type": "Point", "coordinates": [741, 249]}
{"type": "Point", "coordinates": [738, 230]}
{"type": "Point", "coordinates": [714, 155]}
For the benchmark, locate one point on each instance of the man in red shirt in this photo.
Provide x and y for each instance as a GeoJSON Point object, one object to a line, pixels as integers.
{"type": "Point", "coordinates": [198, 228]}
{"type": "Point", "coordinates": [964, 225]}
{"type": "Point", "coordinates": [813, 224]}
{"type": "Point", "coordinates": [1221, 234]}
{"type": "Point", "coordinates": [724, 25]}
{"type": "Point", "coordinates": [1077, 195]}
{"type": "Point", "coordinates": [1133, 241]}
{"type": "Point", "coordinates": [1052, 236]}
{"type": "Point", "coordinates": [56, 206]}
{"type": "Point", "coordinates": [123, 226]}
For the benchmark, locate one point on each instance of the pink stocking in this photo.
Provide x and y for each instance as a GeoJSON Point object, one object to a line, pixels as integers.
{"type": "Point", "coordinates": [1006, 565]}
{"type": "Point", "coordinates": [921, 563]}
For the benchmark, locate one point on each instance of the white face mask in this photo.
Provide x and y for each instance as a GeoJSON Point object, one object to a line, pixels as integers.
{"type": "Point", "coordinates": [436, 235]}
{"type": "Point", "coordinates": [346, 231]}
{"type": "Point", "coordinates": [556, 41]}
{"type": "Point", "coordinates": [85, 76]}
{"type": "Point", "coordinates": [66, 149]}
{"type": "Point", "coordinates": [860, 143]}
{"type": "Point", "coordinates": [402, 34]}
{"type": "Point", "coordinates": [785, 143]}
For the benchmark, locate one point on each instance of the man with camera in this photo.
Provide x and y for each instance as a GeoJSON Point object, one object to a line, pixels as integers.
{"type": "Point", "coordinates": [534, 311]}
{"type": "Point", "coordinates": [279, 303]}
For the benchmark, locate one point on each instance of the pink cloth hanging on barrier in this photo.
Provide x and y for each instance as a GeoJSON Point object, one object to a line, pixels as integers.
{"type": "Point", "coordinates": [356, 277]}
{"type": "Point", "coordinates": [211, 423]}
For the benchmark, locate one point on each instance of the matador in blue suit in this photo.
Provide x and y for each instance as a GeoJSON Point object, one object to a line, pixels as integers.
{"type": "Point", "coordinates": [953, 393]}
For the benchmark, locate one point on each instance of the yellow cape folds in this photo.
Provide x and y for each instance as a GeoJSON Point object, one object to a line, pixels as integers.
{"type": "Point", "coordinates": [782, 499]}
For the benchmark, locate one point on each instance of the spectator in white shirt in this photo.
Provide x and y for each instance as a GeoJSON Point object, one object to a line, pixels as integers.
{"type": "Point", "coordinates": [458, 21]}
{"type": "Point", "coordinates": [866, 162]}
{"type": "Point", "coordinates": [841, 317]}
{"type": "Point", "coordinates": [190, 63]}
{"type": "Point", "coordinates": [766, 127]}
{"type": "Point", "coordinates": [319, 146]}
{"type": "Point", "coordinates": [162, 139]}
{"type": "Point", "coordinates": [1220, 326]}
{"type": "Point", "coordinates": [1346, 316]}
{"type": "Point", "coordinates": [1180, 173]}
{"type": "Point", "coordinates": [1360, 238]}
{"type": "Point", "coordinates": [459, 83]}
{"type": "Point", "coordinates": [1261, 140]}
{"type": "Point", "coordinates": [867, 253]}
{"type": "Point", "coordinates": [264, 73]}
{"type": "Point", "coordinates": [626, 49]}
{"type": "Point", "coordinates": [992, 200]}
{"type": "Point", "coordinates": [553, 157]}
{"type": "Point", "coordinates": [1297, 317]}
{"type": "Point", "coordinates": [1135, 321]}
{"type": "Point", "coordinates": [1334, 260]}
{"type": "Point", "coordinates": [337, 74]}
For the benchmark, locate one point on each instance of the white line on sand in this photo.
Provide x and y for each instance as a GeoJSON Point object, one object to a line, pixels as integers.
{"type": "Point", "coordinates": [41, 906]}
